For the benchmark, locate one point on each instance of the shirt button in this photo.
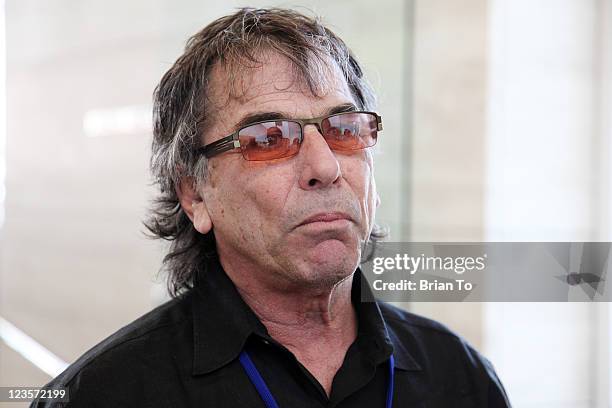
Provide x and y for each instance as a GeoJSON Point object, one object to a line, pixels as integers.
{"type": "Point", "coordinates": [266, 342]}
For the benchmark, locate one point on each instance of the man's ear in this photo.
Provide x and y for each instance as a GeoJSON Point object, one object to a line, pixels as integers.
{"type": "Point", "coordinates": [193, 205]}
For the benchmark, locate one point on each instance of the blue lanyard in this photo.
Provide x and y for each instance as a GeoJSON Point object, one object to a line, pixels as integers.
{"type": "Point", "coordinates": [267, 396]}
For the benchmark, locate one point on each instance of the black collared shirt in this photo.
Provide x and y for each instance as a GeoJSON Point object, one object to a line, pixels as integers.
{"type": "Point", "coordinates": [185, 354]}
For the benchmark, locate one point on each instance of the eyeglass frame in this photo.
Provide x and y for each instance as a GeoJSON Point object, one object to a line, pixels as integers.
{"type": "Point", "coordinates": [232, 141]}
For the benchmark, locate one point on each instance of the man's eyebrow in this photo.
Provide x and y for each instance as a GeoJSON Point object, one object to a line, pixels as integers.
{"type": "Point", "coordinates": [270, 116]}
{"type": "Point", "coordinates": [259, 117]}
{"type": "Point", "coordinates": [345, 107]}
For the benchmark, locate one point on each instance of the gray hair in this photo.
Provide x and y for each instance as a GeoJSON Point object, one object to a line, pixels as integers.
{"type": "Point", "coordinates": [181, 110]}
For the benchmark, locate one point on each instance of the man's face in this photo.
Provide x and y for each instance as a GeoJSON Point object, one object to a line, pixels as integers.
{"type": "Point", "coordinates": [261, 212]}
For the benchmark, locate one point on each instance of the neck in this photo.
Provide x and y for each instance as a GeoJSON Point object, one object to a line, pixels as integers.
{"type": "Point", "coordinates": [316, 325]}
{"type": "Point", "coordinates": [302, 316]}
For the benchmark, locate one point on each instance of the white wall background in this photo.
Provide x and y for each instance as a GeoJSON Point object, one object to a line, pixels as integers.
{"type": "Point", "coordinates": [547, 180]}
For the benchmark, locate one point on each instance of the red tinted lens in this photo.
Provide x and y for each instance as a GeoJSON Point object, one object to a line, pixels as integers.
{"type": "Point", "coordinates": [270, 140]}
{"type": "Point", "coordinates": [350, 131]}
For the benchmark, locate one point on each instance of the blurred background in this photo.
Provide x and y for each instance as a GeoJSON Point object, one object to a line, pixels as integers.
{"type": "Point", "coordinates": [497, 128]}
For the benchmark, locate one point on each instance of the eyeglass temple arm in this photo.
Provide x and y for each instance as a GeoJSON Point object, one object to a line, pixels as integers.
{"type": "Point", "coordinates": [220, 146]}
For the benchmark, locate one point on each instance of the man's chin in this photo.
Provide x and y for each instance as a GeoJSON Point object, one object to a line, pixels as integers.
{"type": "Point", "coordinates": [331, 250]}
{"type": "Point", "coordinates": [330, 262]}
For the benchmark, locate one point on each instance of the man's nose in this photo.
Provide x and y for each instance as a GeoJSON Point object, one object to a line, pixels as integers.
{"type": "Point", "coordinates": [319, 165]}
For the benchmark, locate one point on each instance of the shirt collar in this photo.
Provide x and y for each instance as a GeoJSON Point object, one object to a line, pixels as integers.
{"type": "Point", "coordinates": [222, 323]}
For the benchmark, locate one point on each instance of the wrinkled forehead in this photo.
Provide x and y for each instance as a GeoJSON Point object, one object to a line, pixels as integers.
{"type": "Point", "coordinates": [245, 82]}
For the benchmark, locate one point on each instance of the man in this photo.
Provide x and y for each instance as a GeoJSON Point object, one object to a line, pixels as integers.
{"type": "Point", "coordinates": [262, 149]}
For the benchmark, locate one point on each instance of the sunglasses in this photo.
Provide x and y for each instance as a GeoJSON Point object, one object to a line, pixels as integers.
{"type": "Point", "coordinates": [276, 139]}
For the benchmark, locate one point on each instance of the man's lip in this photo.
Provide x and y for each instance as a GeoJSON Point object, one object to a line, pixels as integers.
{"type": "Point", "coordinates": [326, 217]}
